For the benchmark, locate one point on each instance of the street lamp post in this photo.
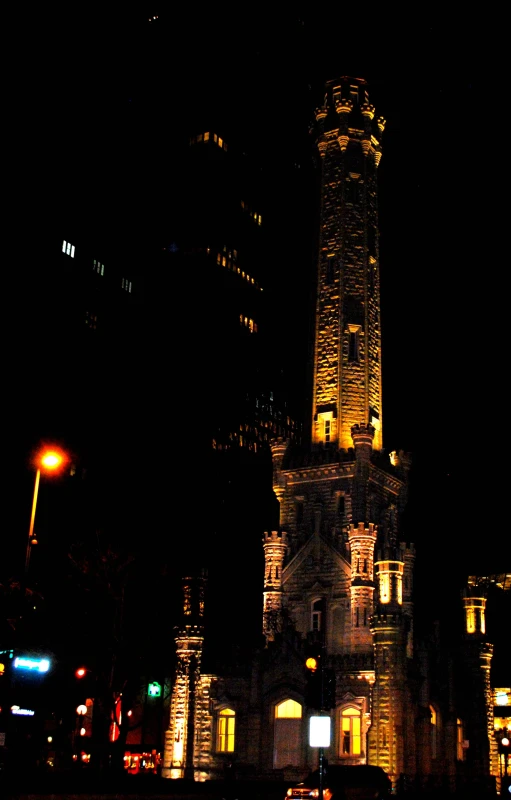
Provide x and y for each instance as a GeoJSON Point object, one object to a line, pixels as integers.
{"type": "Point", "coordinates": [50, 460]}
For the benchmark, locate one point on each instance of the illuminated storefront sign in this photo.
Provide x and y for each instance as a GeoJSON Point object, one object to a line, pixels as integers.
{"type": "Point", "coordinates": [23, 712]}
{"type": "Point", "coordinates": [32, 664]}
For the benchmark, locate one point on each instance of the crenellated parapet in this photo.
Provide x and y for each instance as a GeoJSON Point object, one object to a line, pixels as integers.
{"type": "Point", "coordinates": [362, 436]}
{"type": "Point", "coordinates": [367, 110]}
{"type": "Point", "coordinates": [347, 112]}
{"type": "Point", "coordinates": [321, 113]}
{"type": "Point", "coordinates": [362, 539]}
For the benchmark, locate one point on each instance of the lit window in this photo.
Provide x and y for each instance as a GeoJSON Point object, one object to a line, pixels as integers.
{"type": "Point", "coordinates": [288, 709]}
{"type": "Point", "coordinates": [385, 588]}
{"type": "Point", "coordinates": [225, 731]}
{"type": "Point", "coordinates": [327, 430]}
{"type": "Point", "coordinates": [350, 743]}
{"type": "Point", "coordinates": [206, 137]}
{"type": "Point", "coordinates": [68, 248]}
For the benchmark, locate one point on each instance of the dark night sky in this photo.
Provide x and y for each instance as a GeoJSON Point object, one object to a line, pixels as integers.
{"type": "Point", "coordinates": [90, 92]}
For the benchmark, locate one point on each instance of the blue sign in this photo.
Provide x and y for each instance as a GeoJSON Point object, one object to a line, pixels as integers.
{"type": "Point", "coordinates": [32, 664]}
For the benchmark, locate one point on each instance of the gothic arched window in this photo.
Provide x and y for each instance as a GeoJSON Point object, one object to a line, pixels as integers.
{"type": "Point", "coordinates": [350, 732]}
{"type": "Point", "coordinates": [225, 730]}
{"type": "Point", "coordinates": [287, 734]}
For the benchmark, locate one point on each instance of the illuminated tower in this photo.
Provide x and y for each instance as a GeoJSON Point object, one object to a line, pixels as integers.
{"type": "Point", "coordinates": [179, 755]}
{"type": "Point", "coordinates": [347, 362]}
{"type": "Point", "coordinates": [478, 655]}
{"type": "Point", "coordinates": [341, 500]}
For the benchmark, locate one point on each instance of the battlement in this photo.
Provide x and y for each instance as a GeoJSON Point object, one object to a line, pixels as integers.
{"type": "Point", "coordinates": [275, 537]}
{"type": "Point", "coordinates": [361, 530]}
{"type": "Point", "coordinates": [362, 429]}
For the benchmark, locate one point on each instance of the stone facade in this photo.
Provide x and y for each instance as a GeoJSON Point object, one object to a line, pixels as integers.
{"type": "Point", "coordinates": [338, 580]}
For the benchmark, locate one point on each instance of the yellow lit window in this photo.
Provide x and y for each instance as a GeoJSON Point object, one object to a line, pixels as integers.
{"type": "Point", "coordinates": [350, 744]}
{"type": "Point", "coordinates": [288, 709]}
{"type": "Point", "coordinates": [206, 137]}
{"type": "Point", "coordinates": [225, 731]}
{"type": "Point", "coordinates": [385, 588]}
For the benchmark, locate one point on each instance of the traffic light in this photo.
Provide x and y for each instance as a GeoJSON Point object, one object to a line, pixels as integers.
{"type": "Point", "coordinates": [314, 674]}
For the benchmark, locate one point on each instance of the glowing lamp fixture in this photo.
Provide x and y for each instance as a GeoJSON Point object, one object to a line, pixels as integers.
{"type": "Point", "coordinates": [51, 460]}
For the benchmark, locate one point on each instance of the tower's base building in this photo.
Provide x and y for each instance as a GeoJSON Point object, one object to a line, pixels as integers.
{"type": "Point", "coordinates": [338, 568]}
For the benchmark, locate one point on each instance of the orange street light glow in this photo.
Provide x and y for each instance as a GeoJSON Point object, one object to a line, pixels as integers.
{"type": "Point", "coordinates": [51, 460]}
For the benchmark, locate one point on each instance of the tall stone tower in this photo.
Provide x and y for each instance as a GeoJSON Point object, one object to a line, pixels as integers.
{"type": "Point", "coordinates": [347, 353]}
{"type": "Point", "coordinates": [338, 571]}
{"type": "Point", "coordinates": [335, 567]}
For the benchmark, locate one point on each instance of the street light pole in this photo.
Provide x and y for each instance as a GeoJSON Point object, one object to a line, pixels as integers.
{"type": "Point", "coordinates": [50, 460]}
{"type": "Point", "coordinates": [32, 521]}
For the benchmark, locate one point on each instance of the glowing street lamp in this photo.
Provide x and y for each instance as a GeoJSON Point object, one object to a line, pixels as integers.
{"type": "Point", "coordinates": [49, 460]}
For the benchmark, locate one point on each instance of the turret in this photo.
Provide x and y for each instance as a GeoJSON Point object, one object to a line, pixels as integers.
{"type": "Point", "coordinates": [278, 451]}
{"type": "Point", "coordinates": [178, 756]}
{"type": "Point", "coordinates": [275, 549]}
{"type": "Point", "coordinates": [362, 540]}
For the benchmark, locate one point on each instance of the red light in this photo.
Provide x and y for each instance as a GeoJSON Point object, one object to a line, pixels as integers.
{"type": "Point", "coordinates": [80, 672]}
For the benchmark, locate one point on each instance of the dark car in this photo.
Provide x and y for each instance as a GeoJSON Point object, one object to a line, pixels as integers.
{"type": "Point", "coordinates": [361, 782]}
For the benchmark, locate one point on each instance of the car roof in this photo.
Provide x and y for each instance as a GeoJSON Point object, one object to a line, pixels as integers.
{"type": "Point", "coordinates": [353, 774]}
